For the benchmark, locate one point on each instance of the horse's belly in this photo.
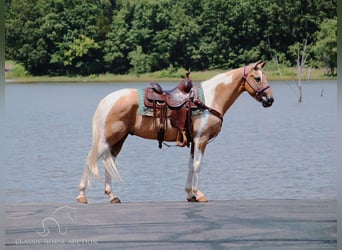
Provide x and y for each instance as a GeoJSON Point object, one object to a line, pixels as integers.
{"type": "Point", "coordinates": [147, 127]}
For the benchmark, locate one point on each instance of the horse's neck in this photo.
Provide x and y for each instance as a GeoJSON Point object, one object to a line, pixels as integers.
{"type": "Point", "coordinates": [232, 94]}
{"type": "Point", "coordinates": [222, 90]}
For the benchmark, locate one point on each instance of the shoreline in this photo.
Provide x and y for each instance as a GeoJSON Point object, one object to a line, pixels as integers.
{"type": "Point", "coordinates": [289, 74]}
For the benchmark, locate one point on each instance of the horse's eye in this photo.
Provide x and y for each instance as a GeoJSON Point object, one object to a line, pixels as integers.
{"type": "Point", "coordinates": [257, 79]}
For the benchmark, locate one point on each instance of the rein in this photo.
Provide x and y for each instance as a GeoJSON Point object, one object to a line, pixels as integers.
{"type": "Point", "coordinates": [258, 92]}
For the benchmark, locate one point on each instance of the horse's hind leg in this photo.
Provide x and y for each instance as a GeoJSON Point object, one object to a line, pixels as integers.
{"type": "Point", "coordinates": [81, 198]}
{"type": "Point", "coordinates": [113, 198]}
{"type": "Point", "coordinates": [108, 161]}
{"type": "Point", "coordinates": [95, 152]}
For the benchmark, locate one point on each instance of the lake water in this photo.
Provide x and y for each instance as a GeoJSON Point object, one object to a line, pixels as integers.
{"type": "Point", "coordinates": [283, 152]}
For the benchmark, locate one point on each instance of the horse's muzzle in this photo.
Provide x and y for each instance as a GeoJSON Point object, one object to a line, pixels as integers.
{"type": "Point", "coordinates": [267, 101]}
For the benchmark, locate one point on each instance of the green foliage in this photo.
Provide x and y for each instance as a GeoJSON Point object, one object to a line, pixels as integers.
{"type": "Point", "coordinates": [140, 61]}
{"type": "Point", "coordinates": [170, 72]}
{"type": "Point", "coordinates": [80, 54]}
{"type": "Point", "coordinates": [82, 37]}
{"type": "Point", "coordinates": [23, 41]}
{"type": "Point", "coordinates": [78, 49]}
{"type": "Point", "coordinates": [117, 44]}
{"type": "Point", "coordinates": [17, 71]}
{"type": "Point", "coordinates": [325, 48]}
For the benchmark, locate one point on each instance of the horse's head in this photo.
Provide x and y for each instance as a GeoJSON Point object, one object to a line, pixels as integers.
{"type": "Point", "coordinates": [256, 84]}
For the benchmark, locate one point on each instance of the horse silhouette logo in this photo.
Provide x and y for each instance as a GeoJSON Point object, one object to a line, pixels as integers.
{"type": "Point", "coordinates": [60, 217]}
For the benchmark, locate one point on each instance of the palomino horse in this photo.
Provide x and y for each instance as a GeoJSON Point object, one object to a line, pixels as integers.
{"type": "Point", "coordinates": [117, 116]}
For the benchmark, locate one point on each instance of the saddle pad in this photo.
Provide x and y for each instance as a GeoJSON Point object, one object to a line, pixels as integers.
{"type": "Point", "coordinates": [143, 110]}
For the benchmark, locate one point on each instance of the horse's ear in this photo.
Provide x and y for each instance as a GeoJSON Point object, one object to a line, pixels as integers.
{"type": "Point", "coordinates": [255, 66]}
{"type": "Point", "coordinates": [263, 64]}
{"type": "Point", "coordinates": [259, 64]}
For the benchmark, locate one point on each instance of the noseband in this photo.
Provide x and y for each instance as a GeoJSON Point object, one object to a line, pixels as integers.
{"type": "Point", "coordinates": [258, 92]}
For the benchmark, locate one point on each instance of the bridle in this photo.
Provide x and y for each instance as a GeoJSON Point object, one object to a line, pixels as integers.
{"type": "Point", "coordinates": [258, 92]}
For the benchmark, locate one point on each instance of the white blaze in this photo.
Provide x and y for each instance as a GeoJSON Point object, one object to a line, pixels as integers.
{"type": "Point", "coordinates": [260, 73]}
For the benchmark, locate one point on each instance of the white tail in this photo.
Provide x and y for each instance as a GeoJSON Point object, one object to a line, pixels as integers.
{"type": "Point", "coordinates": [110, 166]}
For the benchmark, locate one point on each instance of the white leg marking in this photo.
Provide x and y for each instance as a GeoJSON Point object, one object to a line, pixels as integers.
{"type": "Point", "coordinates": [188, 185]}
{"type": "Point", "coordinates": [83, 184]}
{"type": "Point", "coordinates": [197, 169]}
{"type": "Point", "coordinates": [108, 186]}
{"type": "Point", "coordinates": [108, 183]}
{"type": "Point", "coordinates": [84, 180]}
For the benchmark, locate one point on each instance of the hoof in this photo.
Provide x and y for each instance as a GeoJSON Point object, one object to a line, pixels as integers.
{"type": "Point", "coordinates": [199, 199]}
{"type": "Point", "coordinates": [192, 199]}
{"type": "Point", "coordinates": [196, 196]}
{"type": "Point", "coordinates": [82, 199]}
{"type": "Point", "coordinates": [202, 199]}
{"type": "Point", "coordinates": [115, 200]}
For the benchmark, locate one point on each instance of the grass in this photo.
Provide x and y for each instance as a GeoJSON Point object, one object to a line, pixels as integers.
{"type": "Point", "coordinates": [17, 73]}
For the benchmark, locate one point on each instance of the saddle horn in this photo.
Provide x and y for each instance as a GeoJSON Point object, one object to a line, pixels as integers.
{"type": "Point", "coordinates": [188, 73]}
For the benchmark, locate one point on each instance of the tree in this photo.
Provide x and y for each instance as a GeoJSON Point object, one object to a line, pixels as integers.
{"type": "Point", "coordinates": [117, 44]}
{"type": "Point", "coordinates": [39, 33]}
{"type": "Point", "coordinates": [176, 37]}
{"type": "Point", "coordinates": [46, 36]}
{"type": "Point", "coordinates": [79, 55]}
{"type": "Point", "coordinates": [71, 31]}
{"type": "Point", "coordinates": [302, 54]}
{"type": "Point", "coordinates": [24, 42]}
{"type": "Point", "coordinates": [140, 61]}
{"type": "Point", "coordinates": [325, 47]}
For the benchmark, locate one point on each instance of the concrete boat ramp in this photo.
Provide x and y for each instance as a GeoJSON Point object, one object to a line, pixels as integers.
{"type": "Point", "coordinates": [237, 224]}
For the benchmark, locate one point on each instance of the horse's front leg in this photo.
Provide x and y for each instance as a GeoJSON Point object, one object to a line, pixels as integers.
{"type": "Point", "coordinates": [192, 183]}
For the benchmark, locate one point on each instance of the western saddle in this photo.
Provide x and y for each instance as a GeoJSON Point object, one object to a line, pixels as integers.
{"type": "Point", "coordinates": [177, 105]}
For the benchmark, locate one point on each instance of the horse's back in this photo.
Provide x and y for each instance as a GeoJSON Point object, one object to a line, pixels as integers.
{"type": "Point", "coordinates": [118, 100]}
{"type": "Point", "coordinates": [119, 96]}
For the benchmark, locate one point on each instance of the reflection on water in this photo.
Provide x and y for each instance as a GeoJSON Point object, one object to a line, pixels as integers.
{"type": "Point", "coordinates": [286, 151]}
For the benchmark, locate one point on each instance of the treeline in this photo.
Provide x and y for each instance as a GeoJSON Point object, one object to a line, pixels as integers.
{"type": "Point", "coordinates": [82, 37]}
